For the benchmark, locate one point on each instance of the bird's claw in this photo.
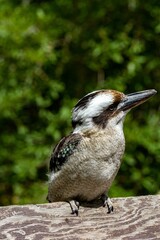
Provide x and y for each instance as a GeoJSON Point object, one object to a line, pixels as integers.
{"type": "Point", "coordinates": [110, 208]}
{"type": "Point", "coordinates": [75, 211]}
{"type": "Point", "coordinates": [107, 202]}
{"type": "Point", "coordinates": [74, 207]}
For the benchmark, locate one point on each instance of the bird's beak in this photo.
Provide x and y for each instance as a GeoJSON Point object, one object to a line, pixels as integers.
{"type": "Point", "coordinates": [134, 99]}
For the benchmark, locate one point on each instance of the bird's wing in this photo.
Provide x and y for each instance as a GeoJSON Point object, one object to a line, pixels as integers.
{"type": "Point", "coordinates": [63, 150]}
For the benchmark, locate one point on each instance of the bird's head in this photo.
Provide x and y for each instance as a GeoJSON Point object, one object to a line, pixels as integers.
{"type": "Point", "coordinates": [104, 108]}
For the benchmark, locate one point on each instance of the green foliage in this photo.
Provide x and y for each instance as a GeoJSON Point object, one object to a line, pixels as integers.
{"type": "Point", "coordinates": [54, 52]}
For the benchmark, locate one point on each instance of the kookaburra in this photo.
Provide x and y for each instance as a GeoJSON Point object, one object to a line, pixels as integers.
{"type": "Point", "coordinates": [84, 164]}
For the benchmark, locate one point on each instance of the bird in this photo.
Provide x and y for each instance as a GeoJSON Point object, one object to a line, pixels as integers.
{"type": "Point", "coordinates": [84, 164]}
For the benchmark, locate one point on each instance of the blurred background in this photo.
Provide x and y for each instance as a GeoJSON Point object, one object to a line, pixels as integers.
{"type": "Point", "coordinates": [54, 52]}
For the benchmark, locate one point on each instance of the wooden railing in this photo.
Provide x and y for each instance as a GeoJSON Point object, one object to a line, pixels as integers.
{"type": "Point", "coordinates": [133, 218]}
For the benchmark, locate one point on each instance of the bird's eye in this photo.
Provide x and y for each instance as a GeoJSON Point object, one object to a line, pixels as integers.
{"type": "Point", "coordinates": [112, 107]}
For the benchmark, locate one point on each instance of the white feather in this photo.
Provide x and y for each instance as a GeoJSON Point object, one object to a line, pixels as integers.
{"type": "Point", "coordinates": [94, 108]}
{"type": "Point", "coordinates": [51, 176]}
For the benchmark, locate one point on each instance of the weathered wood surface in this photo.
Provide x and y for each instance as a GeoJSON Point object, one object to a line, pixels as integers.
{"type": "Point", "coordinates": [133, 218]}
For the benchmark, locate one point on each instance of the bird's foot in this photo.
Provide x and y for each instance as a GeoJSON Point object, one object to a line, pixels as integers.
{"type": "Point", "coordinates": [107, 202]}
{"type": "Point", "coordinates": [74, 207]}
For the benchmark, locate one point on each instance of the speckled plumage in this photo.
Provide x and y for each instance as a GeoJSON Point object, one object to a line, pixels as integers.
{"type": "Point", "coordinates": [91, 166]}
{"type": "Point", "coordinates": [84, 164]}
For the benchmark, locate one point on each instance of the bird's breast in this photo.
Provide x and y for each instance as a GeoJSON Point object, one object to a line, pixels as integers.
{"type": "Point", "coordinates": [90, 170]}
{"type": "Point", "coordinates": [106, 146]}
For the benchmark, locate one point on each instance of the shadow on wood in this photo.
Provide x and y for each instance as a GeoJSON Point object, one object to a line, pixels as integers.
{"type": "Point", "coordinates": [133, 218]}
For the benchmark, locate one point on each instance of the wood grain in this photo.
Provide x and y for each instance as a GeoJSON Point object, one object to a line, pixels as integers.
{"type": "Point", "coordinates": [133, 218]}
